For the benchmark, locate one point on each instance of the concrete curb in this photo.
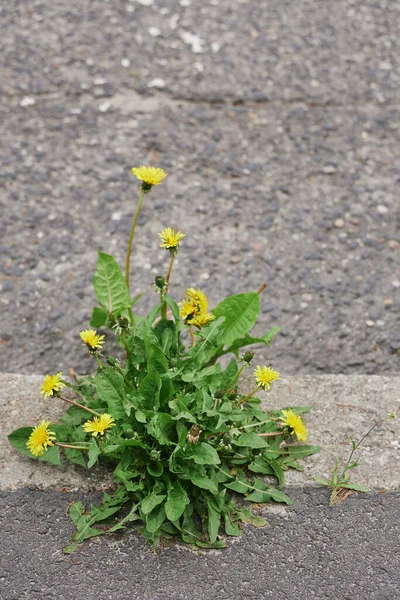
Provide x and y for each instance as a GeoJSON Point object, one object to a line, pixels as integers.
{"type": "Point", "coordinates": [341, 406]}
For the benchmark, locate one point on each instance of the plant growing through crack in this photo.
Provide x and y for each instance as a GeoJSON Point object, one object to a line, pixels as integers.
{"type": "Point", "coordinates": [168, 418]}
{"type": "Point", "coordinates": [340, 483]}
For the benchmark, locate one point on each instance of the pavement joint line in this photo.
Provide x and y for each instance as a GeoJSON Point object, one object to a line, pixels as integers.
{"type": "Point", "coordinates": [228, 102]}
{"type": "Point", "coordinates": [341, 405]}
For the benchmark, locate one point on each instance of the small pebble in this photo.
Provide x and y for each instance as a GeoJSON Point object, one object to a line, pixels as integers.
{"type": "Point", "coordinates": [388, 302]}
{"type": "Point", "coordinates": [154, 31]}
{"type": "Point", "coordinates": [370, 323]}
{"type": "Point", "coordinates": [104, 107]}
{"type": "Point", "coordinates": [99, 81]}
{"type": "Point", "coordinates": [381, 209]}
{"type": "Point", "coordinates": [307, 297]}
{"type": "Point", "coordinates": [116, 216]}
{"type": "Point", "coordinates": [338, 223]}
{"type": "Point", "coordinates": [27, 101]}
{"type": "Point", "coordinates": [157, 82]}
{"type": "Point", "coordinates": [125, 62]}
{"type": "Point", "coordinates": [393, 244]}
{"type": "Point", "coordinates": [396, 283]}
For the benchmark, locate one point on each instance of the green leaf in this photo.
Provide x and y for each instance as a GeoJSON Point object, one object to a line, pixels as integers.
{"type": "Point", "coordinates": [297, 452]}
{"type": "Point", "coordinates": [77, 457]}
{"type": "Point", "coordinates": [261, 466]}
{"type": "Point", "coordinates": [214, 520]}
{"type": "Point", "coordinates": [278, 471]}
{"type": "Point", "coordinates": [155, 519]}
{"type": "Point", "coordinates": [176, 502]}
{"type": "Point", "coordinates": [174, 307]}
{"type": "Point", "coordinates": [99, 317]}
{"type": "Point", "coordinates": [259, 496]}
{"type": "Point", "coordinates": [204, 454]}
{"type": "Point", "coordinates": [279, 496]}
{"type": "Point", "coordinates": [248, 340]}
{"type": "Point", "coordinates": [250, 440]}
{"type": "Point", "coordinates": [204, 482]}
{"type": "Point", "coordinates": [150, 502]}
{"type": "Point", "coordinates": [321, 481]}
{"type": "Point", "coordinates": [109, 285]}
{"type": "Point", "coordinates": [240, 312]}
{"type": "Point", "coordinates": [18, 439]}
{"type": "Point", "coordinates": [231, 528]}
{"type": "Point", "coordinates": [162, 428]}
{"type": "Point", "coordinates": [149, 389]}
{"type": "Point", "coordinates": [110, 388]}
{"type": "Point", "coordinates": [357, 487]}
{"type": "Point", "coordinates": [93, 454]}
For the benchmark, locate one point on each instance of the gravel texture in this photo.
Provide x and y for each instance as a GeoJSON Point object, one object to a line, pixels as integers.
{"type": "Point", "coordinates": [279, 126]}
{"type": "Point", "coordinates": [308, 550]}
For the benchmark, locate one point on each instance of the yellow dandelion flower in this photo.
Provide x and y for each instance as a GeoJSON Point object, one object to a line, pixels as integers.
{"type": "Point", "coordinates": [199, 298]}
{"type": "Point", "coordinates": [40, 439]}
{"type": "Point", "coordinates": [170, 239]}
{"type": "Point", "coordinates": [99, 424]}
{"type": "Point", "coordinates": [92, 339]}
{"type": "Point", "coordinates": [52, 385]}
{"type": "Point", "coordinates": [296, 423]}
{"type": "Point", "coordinates": [201, 319]}
{"type": "Point", "coordinates": [264, 376]}
{"type": "Point", "coordinates": [149, 175]}
{"type": "Point", "coordinates": [188, 309]}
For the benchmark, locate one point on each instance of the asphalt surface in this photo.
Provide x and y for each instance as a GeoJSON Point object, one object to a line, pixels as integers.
{"type": "Point", "coordinates": [279, 127]}
{"type": "Point", "coordinates": [308, 550]}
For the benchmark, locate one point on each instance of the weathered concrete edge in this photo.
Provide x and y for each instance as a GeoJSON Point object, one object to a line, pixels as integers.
{"type": "Point", "coordinates": [340, 406]}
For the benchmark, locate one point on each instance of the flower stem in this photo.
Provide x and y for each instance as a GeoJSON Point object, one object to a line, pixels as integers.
{"type": "Point", "coordinates": [70, 446]}
{"type": "Point", "coordinates": [171, 262]}
{"type": "Point", "coordinates": [192, 335]}
{"type": "Point", "coordinates": [128, 252]}
{"type": "Point", "coordinates": [243, 400]}
{"type": "Point", "coordinates": [80, 406]}
{"type": "Point", "coordinates": [262, 288]}
{"type": "Point", "coordinates": [235, 378]}
{"type": "Point", "coordinates": [98, 361]}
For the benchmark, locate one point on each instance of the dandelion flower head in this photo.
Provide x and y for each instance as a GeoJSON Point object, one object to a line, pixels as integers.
{"type": "Point", "coordinates": [170, 239]}
{"type": "Point", "coordinates": [92, 339]}
{"type": "Point", "coordinates": [99, 424]}
{"type": "Point", "coordinates": [264, 376]}
{"type": "Point", "coordinates": [149, 175]}
{"type": "Point", "coordinates": [296, 423]}
{"type": "Point", "coordinates": [52, 385]}
{"type": "Point", "coordinates": [40, 439]}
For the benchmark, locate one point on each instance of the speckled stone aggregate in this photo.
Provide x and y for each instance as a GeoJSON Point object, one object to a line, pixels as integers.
{"type": "Point", "coordinates": [279, 125]}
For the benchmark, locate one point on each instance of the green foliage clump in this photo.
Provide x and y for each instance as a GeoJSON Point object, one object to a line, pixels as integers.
{"type": "Point", "coordinates": [184, 442]}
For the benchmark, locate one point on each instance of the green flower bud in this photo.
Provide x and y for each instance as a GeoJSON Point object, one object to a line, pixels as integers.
{"type": "Point", "coordinates": [248, 357]}
{"type": "Point", "coordinates": [232, 394]}
{"type": "Point", "coordinates": [159, 282]}
{"type": "Point", "coordinates": [219, 394]}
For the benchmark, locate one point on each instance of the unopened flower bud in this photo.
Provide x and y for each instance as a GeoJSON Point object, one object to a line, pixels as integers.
{"type": "Point", "coordinates": [232, 394]}
{"type": "Point", "coordinates": [218, 394]}
{"type": "Point", "coordinates": [112, 361]}
{"type": "Point", "coordinates": [248, 357]}
{"type": "Point", "coordinates": [227, 439]}
{"type": "Point", "coordinates": [159, 282]}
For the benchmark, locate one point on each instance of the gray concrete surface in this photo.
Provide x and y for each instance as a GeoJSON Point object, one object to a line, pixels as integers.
{"type": "Point", "coordinates": [279, 125]}
{"type": "Point", "coordinates": [341, 406]}
{"type": "Point", "coordinates": [307, 551]}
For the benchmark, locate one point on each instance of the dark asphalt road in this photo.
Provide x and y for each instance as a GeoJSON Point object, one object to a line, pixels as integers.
{"type": "Point", "coordinates": [308, 551]}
